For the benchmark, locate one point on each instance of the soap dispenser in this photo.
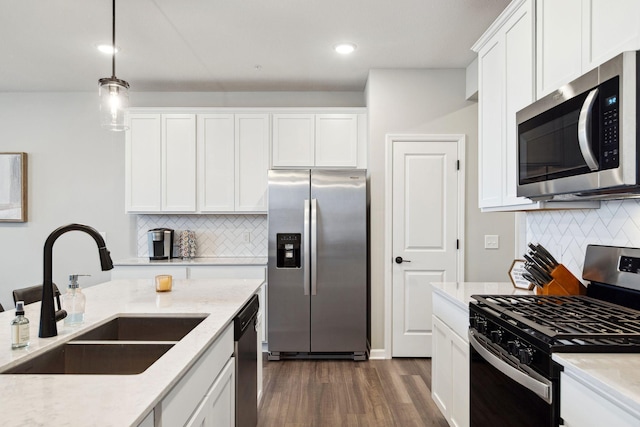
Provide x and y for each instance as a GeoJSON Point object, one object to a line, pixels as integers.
{"type": "Point", "coordinates": [74, 301]}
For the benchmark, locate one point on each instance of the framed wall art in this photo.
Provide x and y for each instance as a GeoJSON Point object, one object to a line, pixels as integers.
{"type": "Point", "coordinates": [13, 187]}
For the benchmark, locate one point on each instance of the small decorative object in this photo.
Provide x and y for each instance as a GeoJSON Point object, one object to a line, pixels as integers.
{"type": "Point", "coordinates": [187, 244]}
{"type": "Point", "coordinates": [164, 282]}
{"type": "Point", "coordinates": [515, 274]}
{"type": "Point", "coordinates": [13, 187]}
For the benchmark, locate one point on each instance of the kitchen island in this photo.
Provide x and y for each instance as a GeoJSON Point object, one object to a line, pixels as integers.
{"type": "Point", "coordinates": [118, 400]}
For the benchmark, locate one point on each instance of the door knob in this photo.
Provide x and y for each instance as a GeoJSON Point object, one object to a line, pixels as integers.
{"type": "Point", "coordinates": [399, 260]}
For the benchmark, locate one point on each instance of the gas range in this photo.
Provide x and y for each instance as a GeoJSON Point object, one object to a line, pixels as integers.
{"type": "Point", "coordinates": [531, 327]}
{"type": "Point", "coordinates": [512, 338]}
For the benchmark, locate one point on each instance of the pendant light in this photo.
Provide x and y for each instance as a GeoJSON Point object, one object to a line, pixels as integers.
{"type": "Point", "coordinates": [113, 92]}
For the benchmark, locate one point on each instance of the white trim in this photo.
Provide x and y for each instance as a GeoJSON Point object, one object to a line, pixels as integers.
{"type": "Point", "coordinates": [378, 354]}
{"type": "Point", "coordinates": [390, 139]}
{"type": "Point", "coordinates": [497, 24]}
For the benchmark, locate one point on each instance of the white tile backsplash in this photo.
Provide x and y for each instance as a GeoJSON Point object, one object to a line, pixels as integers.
{"type": "Point", "coordinates": [216, 235]}
{"type": "Point", "coordinates": [566, 233]}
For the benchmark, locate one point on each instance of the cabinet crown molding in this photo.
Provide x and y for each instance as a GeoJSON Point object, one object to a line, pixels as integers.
{"type": "Point", "coordinates": [497, 24]}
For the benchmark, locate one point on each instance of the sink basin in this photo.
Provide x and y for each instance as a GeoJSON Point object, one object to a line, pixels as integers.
{"type": "Point", "coordinates": [94, 358]}
{"type": "Point", "coordinates": [126, 345]}
{"type": "Point", "coordinates": [143, 328]}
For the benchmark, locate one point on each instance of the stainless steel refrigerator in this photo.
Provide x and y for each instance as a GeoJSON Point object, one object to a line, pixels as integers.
{"type": "Point", "coordinates": [318, 292]}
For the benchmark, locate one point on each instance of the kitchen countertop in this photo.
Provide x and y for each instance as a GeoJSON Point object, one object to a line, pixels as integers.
{"type": "Point", "coordinates": [194, 261]}
{"type": "Point", "coordinates": [615, 376]}
{"type": "Point", "coordinates": [459, 293]}
{"type": "Point", "coordinates": [115, 400]}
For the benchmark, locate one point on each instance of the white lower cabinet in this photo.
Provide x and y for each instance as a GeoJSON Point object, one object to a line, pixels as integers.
{"type": "Point", "coordinates": [206, 393]}
{"type": "Point", "coordinates": [450, 361]}
{"type": "Point", "coordinates": [582, 406]}
{"type": "Point", "coordinates": [217, 409]}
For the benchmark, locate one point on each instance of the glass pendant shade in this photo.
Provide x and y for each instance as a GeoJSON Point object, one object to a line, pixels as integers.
{"type": "Point", "coordinates": [114, 100]}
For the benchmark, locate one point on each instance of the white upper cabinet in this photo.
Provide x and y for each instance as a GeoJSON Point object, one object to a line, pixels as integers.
{"type": "Point", "coordinates": [252, 162]}
{"type": "Point", "coordinates": [216, 162]}
{"type": "Point", "coordinates": [293, 140]}
{"type": "Point", "coordinates": [178, 163]}
{"type": "Point", "coordinates": [160, 163]}
{"type": "Point", "coordinates": [233, 162]}
{"type": "Point", "coordinates": [336, 140]}
{"type": "Point", "coordinates": [330, 140]}
{"type": "Point", "coordinates": [505, 85]}
{"type": "Point", "coordinates": [143, 153]}
{"type": "Point", "coordinates": [574, 36]}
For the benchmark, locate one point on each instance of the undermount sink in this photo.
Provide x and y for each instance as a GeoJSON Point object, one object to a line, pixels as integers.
{"type": "Point", "coordinates": [143, 328]}
{"type": "Point", "coordinates": [100, 359]}
{"type": "Point", "coordinates": [125, 345]}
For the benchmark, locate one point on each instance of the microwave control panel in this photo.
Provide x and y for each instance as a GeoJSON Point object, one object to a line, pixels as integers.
{"type": "Point", "coordinates": [609, 124]}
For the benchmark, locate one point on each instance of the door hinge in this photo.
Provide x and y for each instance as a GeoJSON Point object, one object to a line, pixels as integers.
{"type": "Point", "coordinates": [458, 165]}
{"type": "Point", "coordinates": [457, 243]}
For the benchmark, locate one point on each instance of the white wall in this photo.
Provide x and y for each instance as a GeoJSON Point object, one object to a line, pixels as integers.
{"type": "Point", "coordinates": [76, 174]}
{"type": "Point", "coordinates": [429, 101]}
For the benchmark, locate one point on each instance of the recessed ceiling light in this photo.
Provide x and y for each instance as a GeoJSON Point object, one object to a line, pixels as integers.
{"type": "Point", "coordinates": [344, 48]}
{"type": "Point", "coordinates": [107, 48]}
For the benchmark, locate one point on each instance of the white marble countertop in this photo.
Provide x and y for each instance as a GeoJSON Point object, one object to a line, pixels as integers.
{"type": "Point", "coordinates": [194, 261]}
{"type": "Point", "coordinates": [460, 293]}
{"type": "Point", "coordinates": [614, 376]}
{"type": "Point", "coordinates": [115, 400]}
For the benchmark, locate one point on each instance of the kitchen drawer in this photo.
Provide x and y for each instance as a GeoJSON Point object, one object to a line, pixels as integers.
{"type": "Point", "coordinates": [452, 315]}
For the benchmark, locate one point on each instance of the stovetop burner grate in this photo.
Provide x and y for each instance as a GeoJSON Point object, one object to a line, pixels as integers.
{"type": "Point", "coordinates": [568, 320]}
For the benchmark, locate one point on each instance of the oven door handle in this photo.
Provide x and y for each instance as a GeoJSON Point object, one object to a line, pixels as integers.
{"type": "Point", "coordinates": [541, 387]}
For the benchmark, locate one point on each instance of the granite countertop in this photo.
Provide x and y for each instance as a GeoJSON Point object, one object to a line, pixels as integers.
{"type": "Point", "coordinates": [115, 400]}
{"type": "Point", "coordinates": [194, 261]}
{"type": "Point", "coordinates": [615, 376]}
{"type": "Point", "coordinates": [460, 293]}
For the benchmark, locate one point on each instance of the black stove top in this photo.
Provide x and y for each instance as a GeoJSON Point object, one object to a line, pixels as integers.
{"type": "Point", "coordinates": [566, 323]}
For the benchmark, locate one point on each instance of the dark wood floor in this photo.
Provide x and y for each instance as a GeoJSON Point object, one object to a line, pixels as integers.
{"type": "Point", "coordinates": [328, 393]}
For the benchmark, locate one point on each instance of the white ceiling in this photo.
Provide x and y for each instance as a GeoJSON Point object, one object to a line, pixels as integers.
{"type": "Point", "coordinates": [232, 45]}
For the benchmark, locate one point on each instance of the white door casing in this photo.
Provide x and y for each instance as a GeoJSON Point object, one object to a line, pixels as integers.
{"type": "Point", "coordinates": [424, 224]}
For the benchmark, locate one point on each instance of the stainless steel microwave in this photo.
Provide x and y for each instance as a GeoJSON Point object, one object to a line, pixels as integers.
{"type": "Point", "coordinates": [581, 141]}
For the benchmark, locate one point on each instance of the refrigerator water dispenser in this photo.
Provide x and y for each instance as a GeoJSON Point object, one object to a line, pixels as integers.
{"type": "Point", "coordinates": [288, 247]}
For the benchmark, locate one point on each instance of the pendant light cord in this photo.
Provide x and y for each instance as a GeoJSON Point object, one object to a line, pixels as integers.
{"type": "Point", "coordinates": [113, 42]}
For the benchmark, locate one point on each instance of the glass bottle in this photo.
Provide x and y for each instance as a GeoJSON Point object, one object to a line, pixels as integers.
{"type": "Point", "coordinates": [19, 328]}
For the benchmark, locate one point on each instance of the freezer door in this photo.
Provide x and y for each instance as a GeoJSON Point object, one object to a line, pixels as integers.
{"type": "Point", "coordinates": [288, 296]}
{"type": "Point", "coordinates": [339, 249]}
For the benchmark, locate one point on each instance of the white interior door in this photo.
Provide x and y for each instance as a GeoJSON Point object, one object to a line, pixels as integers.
{"type": "Point", "coordinates": [425, 210]}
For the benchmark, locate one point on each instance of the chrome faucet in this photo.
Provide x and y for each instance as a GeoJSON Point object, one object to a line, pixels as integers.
{"type": "Point", "coordinates": [48, 314]}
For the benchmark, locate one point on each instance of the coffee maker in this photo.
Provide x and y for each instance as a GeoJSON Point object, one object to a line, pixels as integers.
{"type": "Point", "coordinates": [160, 243]}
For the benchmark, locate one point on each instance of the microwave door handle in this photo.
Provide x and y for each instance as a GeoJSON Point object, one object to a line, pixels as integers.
{"type": "Point", "coordinates": [584, 130]}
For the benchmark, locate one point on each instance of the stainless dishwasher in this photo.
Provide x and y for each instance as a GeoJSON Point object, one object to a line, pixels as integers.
{"type": "Point", "coordinates": [246, 353]}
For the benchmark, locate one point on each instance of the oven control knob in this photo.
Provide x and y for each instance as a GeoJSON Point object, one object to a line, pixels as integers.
{"type": "Point", "coordinates": [481, 325]}
{"type": "Point", "coordinates": [525, 355]}
{"type": "Point", "coordinates": [513, 347]}
{"type": "Point", "coordinates": [496, 336]}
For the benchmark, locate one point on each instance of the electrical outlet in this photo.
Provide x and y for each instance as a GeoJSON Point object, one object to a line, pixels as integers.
{"type": "Point", "coordinates": [491, 241]}
{"type": "Point", "coordinates": [246, 236]}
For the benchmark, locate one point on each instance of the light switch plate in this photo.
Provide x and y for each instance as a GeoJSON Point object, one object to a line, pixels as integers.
{"type": "Point", "coordinates": [491, 241]}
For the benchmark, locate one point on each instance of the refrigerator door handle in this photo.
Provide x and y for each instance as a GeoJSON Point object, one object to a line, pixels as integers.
{"type": "Point", "coordinates": [314, 246]}
{"type": "Point", "coordinates": [307, 247]}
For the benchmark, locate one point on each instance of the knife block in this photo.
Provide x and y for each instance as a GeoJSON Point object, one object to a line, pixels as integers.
{"type": "Point", "coordinates": [563, 283]}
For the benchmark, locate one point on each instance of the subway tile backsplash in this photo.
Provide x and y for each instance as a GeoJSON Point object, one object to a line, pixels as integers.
{"type": "Point", "coordinates": [566, 233]}
{"type": "Point", "coordinates": [216, 235]}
